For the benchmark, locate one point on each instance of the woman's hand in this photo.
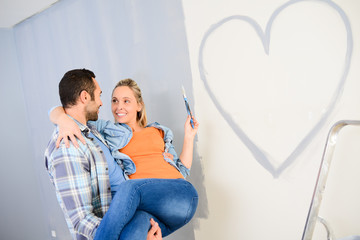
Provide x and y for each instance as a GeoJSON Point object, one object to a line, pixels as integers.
{"type": "Point", "coordinates": [186, 155]}
{"type": "Point", "coordinates": [190, 132]}
{"type": "Point", "coordinates": [69, 130]}
{"type": "Point", "coordinates": [168, 155]}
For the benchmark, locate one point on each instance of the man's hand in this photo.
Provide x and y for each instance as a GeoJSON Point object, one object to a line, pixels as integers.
{"type": "Point", "coordinates": [155, 231]}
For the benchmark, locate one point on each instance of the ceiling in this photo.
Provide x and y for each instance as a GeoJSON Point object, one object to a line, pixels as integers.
{"type": "Point", "coordinates": [15, 11]}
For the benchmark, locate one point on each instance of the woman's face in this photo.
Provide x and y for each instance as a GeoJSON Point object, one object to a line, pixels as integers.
{"type": "Point", "coordinates": [124, 106]}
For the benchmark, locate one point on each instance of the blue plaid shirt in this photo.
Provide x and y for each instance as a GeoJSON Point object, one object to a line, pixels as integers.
{"type": "Point", "coordinates": [81, 181]}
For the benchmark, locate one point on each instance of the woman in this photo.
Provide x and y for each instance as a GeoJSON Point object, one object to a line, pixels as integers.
{"type": "Point", "coordinates": [146, 151]}
{"type": "Point", "coordinates": [128, 109]}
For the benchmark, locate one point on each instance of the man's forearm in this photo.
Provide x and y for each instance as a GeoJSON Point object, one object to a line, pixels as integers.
{"type": "Point", "coordinates": [72, 182]}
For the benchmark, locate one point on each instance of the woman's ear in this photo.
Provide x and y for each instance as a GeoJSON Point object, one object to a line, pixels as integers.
{"type": "Point", "coordinates": [140, 106]}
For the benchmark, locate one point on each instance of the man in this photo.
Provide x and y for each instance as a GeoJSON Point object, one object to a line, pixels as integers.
{"type": "Point", "coordinates": [80, 173]}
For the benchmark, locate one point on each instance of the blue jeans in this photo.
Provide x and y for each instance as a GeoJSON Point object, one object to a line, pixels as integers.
{"type": "Point", "coordinates": [171, 202]}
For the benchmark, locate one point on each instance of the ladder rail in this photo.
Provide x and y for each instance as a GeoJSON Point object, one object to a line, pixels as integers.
{"type": "Point", "coordinates": [322, 176]}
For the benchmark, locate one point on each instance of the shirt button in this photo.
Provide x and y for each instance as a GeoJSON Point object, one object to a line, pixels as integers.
{"type": "Point", "coordinates": [101, 151]}
{"type": "Point", "coordinates": [109, 188]}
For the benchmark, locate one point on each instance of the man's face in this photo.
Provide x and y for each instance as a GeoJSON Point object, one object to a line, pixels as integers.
{"type": "Point", "coordinates": [93, 106]}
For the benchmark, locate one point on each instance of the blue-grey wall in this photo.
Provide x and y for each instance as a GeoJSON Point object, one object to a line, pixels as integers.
{"type": "Point", "coordinates": [143, 40]}
{"type": "Point", "coordinates": [22, 214]}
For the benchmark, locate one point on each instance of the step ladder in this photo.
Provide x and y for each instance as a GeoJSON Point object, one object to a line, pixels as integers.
{"type": "Point", "coordinates": [313, 217]}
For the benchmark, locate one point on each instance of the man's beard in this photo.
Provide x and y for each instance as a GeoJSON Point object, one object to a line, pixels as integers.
{"type": "Point", "coordinates": [92, 116]}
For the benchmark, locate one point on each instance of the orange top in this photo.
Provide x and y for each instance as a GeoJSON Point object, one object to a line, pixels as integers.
{"type": "Point", "coordinates": [146, 149]}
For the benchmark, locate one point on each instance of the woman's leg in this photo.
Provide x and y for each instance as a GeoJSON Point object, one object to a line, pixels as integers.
{"type": "Point", "coordinates": [138, 227]}
{"type": "Point", "coordinates": [172, 201]}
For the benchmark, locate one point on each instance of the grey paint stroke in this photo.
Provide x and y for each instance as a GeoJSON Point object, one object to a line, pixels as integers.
{"type": "Point", "coordinates": [261, 156]}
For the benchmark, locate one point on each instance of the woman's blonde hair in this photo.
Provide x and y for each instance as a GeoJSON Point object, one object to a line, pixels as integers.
{"type": "Point", "coordinates": [141, 115]}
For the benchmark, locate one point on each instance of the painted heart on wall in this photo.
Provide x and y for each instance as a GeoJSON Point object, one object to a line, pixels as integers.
{"type": "Point", "coordinates": [263, 157]}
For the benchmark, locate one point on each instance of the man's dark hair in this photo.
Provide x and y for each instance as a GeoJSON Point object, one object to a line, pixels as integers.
{"type": "Point", "coordinates": [73, 83]}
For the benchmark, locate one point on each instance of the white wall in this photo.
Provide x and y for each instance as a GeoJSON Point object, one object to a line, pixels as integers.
{"type": "Point", "coordinates": [268, 85]}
